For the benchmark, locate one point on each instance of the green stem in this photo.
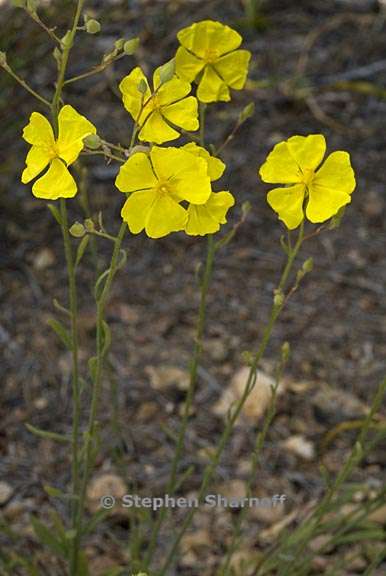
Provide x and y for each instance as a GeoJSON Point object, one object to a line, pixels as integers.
{"type": "Point", "coordinates": [198, 346]}
{"type": "Point", "coordinates": [97, 380]}
{"type": "Point", "coordinates": [233, 416]}
{"type": "Point", "coordinates": [75, 361]}
{"type": "Point", "coordinates": [25, 85]}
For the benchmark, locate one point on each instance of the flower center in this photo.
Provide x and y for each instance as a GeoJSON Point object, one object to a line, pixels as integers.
{"type": "Point", "coordinates": [307, 176]}
{"type": "Point", "coordinates": [211, 55]}
{"type": "Point", "coordinates": [163, 188]}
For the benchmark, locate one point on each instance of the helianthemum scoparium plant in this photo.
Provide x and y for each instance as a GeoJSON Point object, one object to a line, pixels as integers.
{"type": "Point", "coordinates": [168, 190]}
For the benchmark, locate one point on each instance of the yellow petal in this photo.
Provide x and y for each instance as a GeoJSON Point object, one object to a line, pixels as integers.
{"type": "Point", "coordinates": [233, 68]}
{"type": "Point", "coordinates": [185, 174]}
{"type": "Point", "coordinates": [212, 88]}
{"type": "Point", "coordinates": [56, 183]}
{"type": "Point", "coordinates": [171, 91]}
{"type": "Point", "coordinates": [157, 130]}
{"type": "Point", "coordinates": [206, 219]}
{"type": "Point", "coordinates": [73, 128]}
{"type": "Point", "coordinates": [280, 166]}
{"type": "Point", "coordinates": [136, 209]}
{"type": "Point", "coordinates": [132, 97]}
{"type": "Point", "coordinates": [37, 159]}
{"type": "Point", "coordinates": [188, 66]}
{"type": "Point", "coordinates": [165, 216]}
{"type": "Point", "coordinates": [38, 131]}
{"type": "Point", "coordinates": [183, 113]}
{"type": "Point", "coordinates": [307, 151]}
{"type": "Point", "coordinates": [136, 174]}
{"type": "Point", "coordinates": [331, 187]}
{"type": "Point", "coordinates": [208, 35]}
{"type": "Point", "coordinates": [336, 173]}
{"type": "Point", "coordinates": [216, 166]}
{"type": "Point", "coordinates": [288, 203]}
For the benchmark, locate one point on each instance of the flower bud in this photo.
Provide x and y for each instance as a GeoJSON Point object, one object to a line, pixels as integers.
{"type": "Point", "coordinates": [77, 230]}
{"type": "Point", "coordinates": [142, 86]}
{"type": "Point", "coordinates": [247, 112]}
{"type": "Point", "coordinates": [92, 141]}
{"type": "Point", "coordinates": [93, 26]}
{"type": "Point", "coordinates": [285, 351]}
{"type": "Point", "coordinates": [32, 5]}
{"type": "Point", "coordinates": [66, 40]}
{"type": "Point", "coordinates": [3, 59]}
{"type": "Point", "coordinates": [89, 225]}
{"type": "Point", "coordinates": [130, 46]}
{"type": "Point", "coordinates": [278, 298]}
{"type": "Point", "coordinates": [19, 3]}
{"type": "Point", "coordinates": [119, 44]}
{"type": "Point", "coordinates": [166, 72]}
{"type": "Point", "coordinates": [308, 265]}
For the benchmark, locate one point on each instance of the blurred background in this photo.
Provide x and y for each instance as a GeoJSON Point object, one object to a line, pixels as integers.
{"type": "Point", "coordinates": [318, 66]}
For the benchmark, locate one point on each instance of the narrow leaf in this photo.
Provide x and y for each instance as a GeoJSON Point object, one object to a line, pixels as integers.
{"type": "Point", "coordinates": [61, 332]}
{"type": "Point", "coordinates": [46, 434]}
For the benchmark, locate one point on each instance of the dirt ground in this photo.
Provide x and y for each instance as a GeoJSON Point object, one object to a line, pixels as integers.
{"type": "Point", "coordinates": [303, 52]}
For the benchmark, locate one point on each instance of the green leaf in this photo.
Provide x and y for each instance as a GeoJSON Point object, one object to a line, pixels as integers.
{"type": "Point", "coordinates": [46, 537]}
{"type": "Point", "coordinates": [98, 288]}
{"type": "Point", "coordinates": [81, 249]}
{"type": "Point", "coordinates": [61, 332]}
{"type": "Point", "coordinates": [55, 213]}
{"type": "Point", "coordinates": [46, 434]}
{"type": "Point", "coordinates": [52, 491]}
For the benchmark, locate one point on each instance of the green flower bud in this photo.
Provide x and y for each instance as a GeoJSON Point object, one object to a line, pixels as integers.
{"type": "Point", "coordinates": [77, 230]}
{"type": "Point", "coordinates": [166, 72]}
{"type": "Point", "coordinates": [3, 59]}
{"type": "Point", "coordinates": [119, 44]}
{"type": "Point", "coordinates": [66, 40]}
{"type": "Point", "coordinates": [285, 351]}
{"type": "Point", "coordinates": [278, 298]}
{"type": "Point", "coordinates": [92, 141]}
{"type": "Point", "coordinates": [130, 46]}
{"type": "Point", "coordinates": [89, 225]}
{"type": "Point", "coordinates": [32, 5]}
{"type": "Point", "coordinates": [308, 265]}
{"type": "Point", "coordinates": [247, 112]}
{"type": "Point", "coordinates": [93, 26]}
{"type": "Point", "coordinates": [19, 3]}
{"type": "Point", "coordinates": [142, 86]}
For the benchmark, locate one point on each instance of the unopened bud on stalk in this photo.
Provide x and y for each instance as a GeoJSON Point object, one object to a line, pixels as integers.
{"type": "Point", "coordinates": [142, 86]}
{"type": "Point", "coordinates": [119, 44]}
{"type": "Point", "coordinates": [32, 5]}
{"type": "Point", "coordinates": [308, 265]}
{"type": "Point", "coordinates": [89, 225]}
{"type": "Point", "coordinates": [92, 141]}
{"type": "Point", "coordinates": [66, 40]}
{"type": "Point", "coordinates": [77, 230]}
{"type": "Point", "coordinates": [19, 3]}
{"type": "Point", "coordinates": [130, 46]}
{"type": "Point", "coordinates": [285, 351]}
{"type": "Point", "coordinates": [3, 59]}
{"type": "Point", "coordinates": [278, 298]}
{"type": "Point", "coordinates": [93, 26]}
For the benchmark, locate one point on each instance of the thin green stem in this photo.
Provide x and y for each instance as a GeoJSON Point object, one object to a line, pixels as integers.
{"type": "Point", "coordinates": [234, 414]}
{"type": "Point", "coordinates": [180, 443]}
{"type": "Point", "coordinates": [75, 360]}
{"type": "Point", "coordinates": [97, 377]}
{"type": "Point", "coordinates": [25, 85]}
{"type": "Point", "coordinates": [99, 68]}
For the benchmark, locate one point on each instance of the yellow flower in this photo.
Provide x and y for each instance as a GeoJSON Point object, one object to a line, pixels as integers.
{"type": "Point", "coordinates": [209, 51]}
{"type": "Point", "coordinates": [206, 218]}
{"type": "Point", "coordinates": [58, 153]}
{"type": "Point", "coordinates": [157, 111]}
{"type": "Point", "coordinates": [157, 184]}
{"type": "Point", "coordinates": [322, 191]}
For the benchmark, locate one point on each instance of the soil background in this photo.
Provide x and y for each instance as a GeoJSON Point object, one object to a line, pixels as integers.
{"type": "Point", "coordinates": [303, 54]}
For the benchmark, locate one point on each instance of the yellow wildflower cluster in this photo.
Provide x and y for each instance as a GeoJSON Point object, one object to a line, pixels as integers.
{"type": "Point", "coordinates": [170, 189]}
